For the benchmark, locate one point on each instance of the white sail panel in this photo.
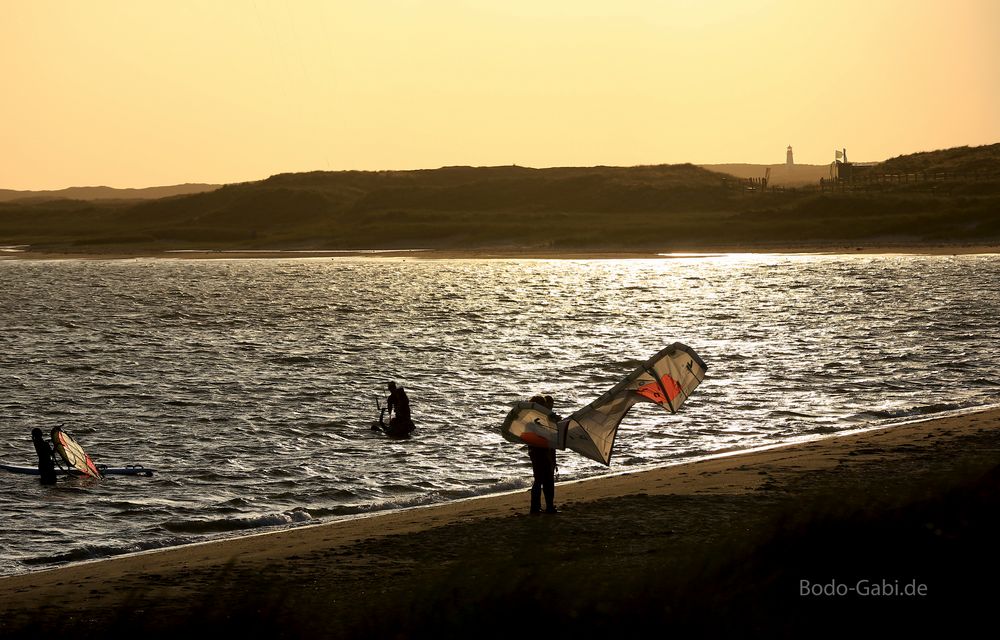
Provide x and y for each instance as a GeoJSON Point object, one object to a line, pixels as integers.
{"type": "Point", "coordinates": [667, 379]}
{"type": "Point", "coordinates": [534, 424]}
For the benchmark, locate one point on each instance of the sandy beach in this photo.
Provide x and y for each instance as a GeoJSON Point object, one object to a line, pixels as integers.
{"type": "Point", "coordinates": [762, 543]}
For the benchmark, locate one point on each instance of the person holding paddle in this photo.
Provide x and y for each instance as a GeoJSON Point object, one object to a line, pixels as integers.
{"type": "Point", "coordinates": [398, 401]}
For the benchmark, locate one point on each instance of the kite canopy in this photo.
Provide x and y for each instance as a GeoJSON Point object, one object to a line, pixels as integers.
{"type": "Point", "coordinates": [666, 379]}
{"type": "Point", "coordinates": [534, 424]}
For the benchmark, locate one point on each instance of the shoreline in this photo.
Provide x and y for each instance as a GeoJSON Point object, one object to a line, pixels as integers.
{"type": "Point", "coordinates": [506, 253]}
{"type": "Point", "coordinates": [725, 508]}
{"type": "Point", "coordinates": [649, 469]}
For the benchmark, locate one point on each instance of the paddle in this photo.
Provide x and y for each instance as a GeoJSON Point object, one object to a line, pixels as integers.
{"type": "Point", "coordinates": [381, 416]}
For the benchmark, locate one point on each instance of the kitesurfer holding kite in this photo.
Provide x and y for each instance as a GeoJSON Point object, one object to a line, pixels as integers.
{"type": "Point", "coordinates": [399, 402]}
{"type": "Point", "coordinates": [46, 458]}
{"type": "Point", "coordinates": [543, 467]}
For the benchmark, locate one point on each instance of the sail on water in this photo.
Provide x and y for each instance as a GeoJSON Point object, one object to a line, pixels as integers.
{"type": "Point", "coordinates": [666, 379]}
{"type": "Point", "coordinates": [74, 455]}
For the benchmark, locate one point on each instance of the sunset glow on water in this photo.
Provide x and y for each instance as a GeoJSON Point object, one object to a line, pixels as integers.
{"type": "Point", "coordinates": [251, 385]}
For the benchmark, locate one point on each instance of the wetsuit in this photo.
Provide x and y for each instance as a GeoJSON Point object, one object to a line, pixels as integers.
{"type": "Point", "coordinates": [399, 403]}
{"type": "Point", "coordinates": [46, 464]}
{"type": "Point", "coordinates": [543, 466]}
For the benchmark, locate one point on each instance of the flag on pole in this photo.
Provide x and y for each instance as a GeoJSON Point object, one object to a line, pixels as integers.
{"type": "Point", "coordinates": [840, 154]}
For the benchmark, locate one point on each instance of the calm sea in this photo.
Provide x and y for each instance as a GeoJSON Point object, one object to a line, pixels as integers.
{"type": "Point", "coordinates": [250, 385]}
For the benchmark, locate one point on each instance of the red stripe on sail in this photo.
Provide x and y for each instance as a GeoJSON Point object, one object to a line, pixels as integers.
{"type": "Point", "coordinates": [534, 439]}
{"type": "Point", "coordinates": [92, 468]}
{"type": "Point", "coordinates": [655, 393]}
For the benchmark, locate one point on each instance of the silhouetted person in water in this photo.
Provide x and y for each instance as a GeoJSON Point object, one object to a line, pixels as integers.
{"type": "Point", "coordinates": [399, 402]}
{"type": "Point", "coordinates": [46, 461]}
{"type": "Point", "coordinates": [543, 467]}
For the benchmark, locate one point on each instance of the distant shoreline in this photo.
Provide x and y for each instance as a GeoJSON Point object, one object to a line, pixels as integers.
{"type": "Point", "coordinates": [503, 253]}
{"type": "Point", "coordinates": [942, 202]}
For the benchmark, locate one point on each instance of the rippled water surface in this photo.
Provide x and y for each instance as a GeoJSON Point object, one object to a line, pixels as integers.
{"type": "Point", "coordinates": [250, 385]}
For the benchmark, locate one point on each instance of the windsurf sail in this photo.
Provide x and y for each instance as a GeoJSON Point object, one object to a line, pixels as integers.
{"type": "Point", "coordinates": [73, 453]}
{"type": "Point", "coordinates": [666, 379]}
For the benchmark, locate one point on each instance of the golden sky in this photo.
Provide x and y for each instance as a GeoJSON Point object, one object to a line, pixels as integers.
{"type": "Point", "coordinates": [137, 93]}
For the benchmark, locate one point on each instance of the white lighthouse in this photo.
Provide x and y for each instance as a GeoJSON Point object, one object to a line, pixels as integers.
{"type": "Point", "coordinates": [788, 157]}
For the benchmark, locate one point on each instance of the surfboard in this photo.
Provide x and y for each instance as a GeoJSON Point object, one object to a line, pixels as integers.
{"type": "Point", "coordinates": [380, 429]}
{"type": "Point", "coordinates": [127, 470]}
{"type": "Point", "coordinates": [386, 430]}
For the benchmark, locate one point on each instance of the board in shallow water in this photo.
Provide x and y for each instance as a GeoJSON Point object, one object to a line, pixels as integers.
{"type": "Point", "coordinates": [127, 470]}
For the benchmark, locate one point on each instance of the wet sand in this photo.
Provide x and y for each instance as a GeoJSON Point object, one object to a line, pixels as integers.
{"type": "Point", "coordinates": [714, 548]}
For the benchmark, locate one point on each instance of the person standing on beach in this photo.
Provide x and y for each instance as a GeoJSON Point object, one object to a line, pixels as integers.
{"type": "Point", "coordinates": [543, 467]}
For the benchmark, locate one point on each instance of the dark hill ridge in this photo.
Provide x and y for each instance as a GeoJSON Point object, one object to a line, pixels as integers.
{"type": "Point", "coordinates": [105, 193]}
{"type": "Point", "coordinates": [297, 197]}
{"type": "Point", "coordinates": [658, 206]}
{"type": "Point", "coordinates": [439, 207]}
{"type": "Point", "coordinates": [982, 160]}
{"type": "Point", "coordinates": [499, 188]}
{"type": "Point", "coordinates": [449, 176]}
